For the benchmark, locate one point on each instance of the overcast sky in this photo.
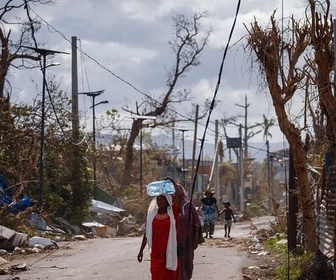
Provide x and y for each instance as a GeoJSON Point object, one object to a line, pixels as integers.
{"type": "Point", "coordinates": [130, 39]}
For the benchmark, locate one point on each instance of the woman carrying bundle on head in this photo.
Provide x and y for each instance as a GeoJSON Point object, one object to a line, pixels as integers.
{"type": "Point", "coordinates": [161, 235]}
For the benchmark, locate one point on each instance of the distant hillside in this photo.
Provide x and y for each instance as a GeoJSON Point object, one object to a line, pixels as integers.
{"type": "Point", "coordinates": [257, 150]}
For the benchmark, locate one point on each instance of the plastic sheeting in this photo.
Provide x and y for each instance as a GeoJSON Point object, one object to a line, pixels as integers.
{"type": "Point", "coordinates": [102, 207]}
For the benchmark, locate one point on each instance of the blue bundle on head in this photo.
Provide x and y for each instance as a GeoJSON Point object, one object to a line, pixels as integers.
{"type": "Point", "coordinates": [160, 187]}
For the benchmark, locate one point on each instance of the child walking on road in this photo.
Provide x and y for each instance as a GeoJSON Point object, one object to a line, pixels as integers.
{"type": "Point", "coordinates": [228, 217]}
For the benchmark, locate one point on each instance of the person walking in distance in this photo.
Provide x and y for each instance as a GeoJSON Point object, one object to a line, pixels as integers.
{"type": "Point", "coordinates": [228, 217]}
{"type": "Point", "coordinates": [209, 212]}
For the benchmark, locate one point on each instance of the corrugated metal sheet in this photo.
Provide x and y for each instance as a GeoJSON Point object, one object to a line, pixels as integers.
{"type": "Point", "coordinates": [326, 234]}
{"type": "Point", "coordinates": [327, 215]}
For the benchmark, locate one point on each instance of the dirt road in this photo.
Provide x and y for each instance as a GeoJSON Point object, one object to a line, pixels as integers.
{"type": "Point", "coordinates": [107, 258]}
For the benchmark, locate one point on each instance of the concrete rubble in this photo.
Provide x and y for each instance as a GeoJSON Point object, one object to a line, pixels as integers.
{"type": "Point", "coordinates": [105, 221]}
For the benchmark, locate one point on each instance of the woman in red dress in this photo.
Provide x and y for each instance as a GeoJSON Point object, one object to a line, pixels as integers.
{"type": "Point", "coordinates": [161, 236]}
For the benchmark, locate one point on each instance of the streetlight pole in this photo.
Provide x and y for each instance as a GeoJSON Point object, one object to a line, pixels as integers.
{"type": "Point", "coordinates": [183, 157]}
{"type": "Point", "coordinates": [94, 95]}
{"type": "Point", "coordinates": [183, 130]}
{"type": "Point", "coordinates": [202, 154]}
{"type": "Point", "coordinates": [44, 53]}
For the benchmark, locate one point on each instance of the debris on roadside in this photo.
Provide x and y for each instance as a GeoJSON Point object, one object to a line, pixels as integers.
{"type": "Point", "coordinates": [42, 242]}
{"type": "Point", "coordinates": [79, 237]}
{"type": "Point", "coordinates": [3, 261]}
{"type": "Point", "coordinates": [95, 229]}
{"type": "Point", "coordinates": [267, 263]}
{"type": "Point", "coordinates": [18, 267]}
{"type": "Point", "coordinates": [9, 239]}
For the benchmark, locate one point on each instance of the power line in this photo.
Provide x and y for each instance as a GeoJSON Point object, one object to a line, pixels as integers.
{"type": "Point", "coordinates": [110, 71]}
{"type": "Point", "coordinates": [215, 94]}
{"type": "Point", "coordinates": [28, 9]}
{"type": "Point", "coordinates": [206, 126]}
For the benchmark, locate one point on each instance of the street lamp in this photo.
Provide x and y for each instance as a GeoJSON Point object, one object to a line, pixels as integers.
{"type": "Point", "coordinates": [44, 53]}
{"type": "Point", "coordinates": [141, 118]}
{"type": "Point", "coordinates": [202, 154]}
{"type": "Point", "coordinates": [94, 95]}
{"type": "Point", "coordinates": [183, 130]}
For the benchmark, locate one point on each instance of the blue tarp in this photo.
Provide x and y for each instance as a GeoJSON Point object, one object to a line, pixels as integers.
{"type": "Point", "coordinates": [6, 193]}
{"type": "Point", "coordinates": [5, 196]}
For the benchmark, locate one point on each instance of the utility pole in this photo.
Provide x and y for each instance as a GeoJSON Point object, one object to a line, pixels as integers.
{"type": "Point", "coordinates": [292, 205]}
{"type": "Point", "coordinates": [183, 159]}
{"type": "Point", "coordinates": [76, 183]}
{"type": "Point", "coordinates": [241, 172]}
{"type": "Point", "coordinates": [269, 176]}
{"type": "Point", "coordinates": [175, 152]}
{"type": "Point", "coordinates": [245, 106]}
{"type": "Point", "coordinates": [216, 171]}
{"type": "Point", "coordinates": [192, 187]}
{"type": "Point", "coordinates": [74, 88]}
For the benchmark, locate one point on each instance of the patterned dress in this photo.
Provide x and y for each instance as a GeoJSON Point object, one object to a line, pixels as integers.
{"type": "Point", "coordinates": [209, 213]}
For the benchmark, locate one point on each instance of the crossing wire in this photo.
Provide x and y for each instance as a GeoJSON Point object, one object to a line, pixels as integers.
{"type": "Point", "coordinates": [190, 223]}
{"type": "Point", "coordinates": [215, 95]}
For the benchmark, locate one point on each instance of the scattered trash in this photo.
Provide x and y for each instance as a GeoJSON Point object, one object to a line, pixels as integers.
{"type": "Point", "coordinates": [59, 239]}
{"type": "Point", "coordinates": [263, 253]}
{"type": "Point", "coordinates": [102, 207]}
{"type": "Point", "coordinates": [9, 239]}
{"type": "Point", "coordinates": [111, 232]}
{"type": "Point", "coordinates": [18, 267]}
{"type": "Point", "coordinates": [3, 261]}
{"type": "Point", "coordinates": [37, 222]}
{"type": "Point", "coordinates": [43, 242]}
{"type": "Point", "coordinates": [254, 239]}
{"type": "Point", "coordinates": [253, 267]}
{"type": "Point", "coordinates": [3, 252]}
{"type": "Point", "coordinates": [6, 233]}
{"type": "Point", "coordinates": [127, 225]}
{"type": "Point", "coordinates": [79, 237]}
{"type": "Point", "coordinates": [67, 227]}
{"type": "Point", "coordinates": [19, 239]}
{"type": "Point", "coordinates": [96, 228]}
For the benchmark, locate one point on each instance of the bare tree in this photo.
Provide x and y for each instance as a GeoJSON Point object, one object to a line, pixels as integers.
{"type": "Point", "coordinates": [13, 50]}
{"type": "Point", "coordinates": [290, 70]}
{"type": "Point", "coordinates": [187, 45]}
{"type": "Point", "coordinates": [13, 54]}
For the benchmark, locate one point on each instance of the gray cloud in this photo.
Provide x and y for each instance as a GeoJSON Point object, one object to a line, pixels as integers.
{"type": "Point", "coordinates": [130, 38]}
